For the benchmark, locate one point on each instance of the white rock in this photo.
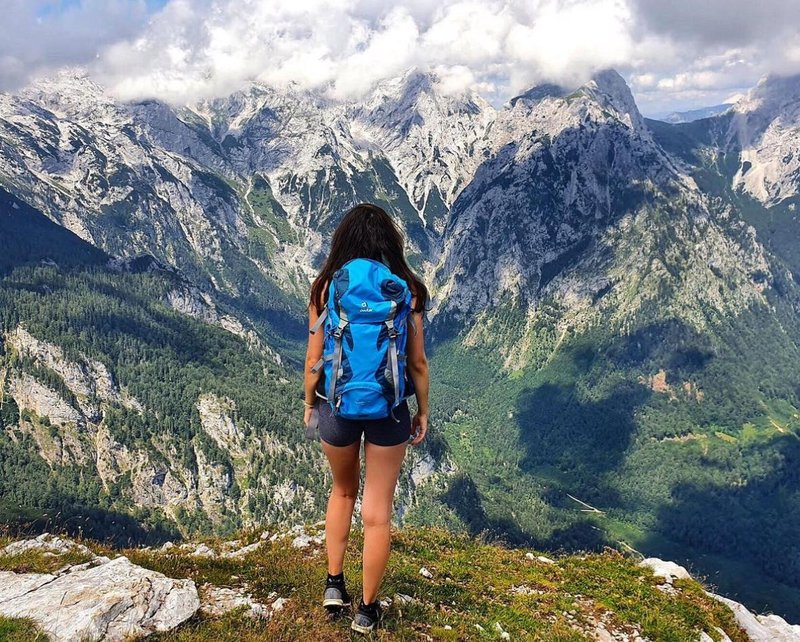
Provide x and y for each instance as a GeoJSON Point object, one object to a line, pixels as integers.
{"type": "Point", "coordinates": [46, 543]}
{"type": "Point", "coordinates": [111, 600]}
{"type": "Point", "coordinates": [402, 598]}
{"type": "Point", "coordinates": [668, 570]}
{"type": "Point", "coordinates": [204, 550]}
{"type": "Point", "coordinates": [523, 589]}
{"type": "Point", "coordinates": [302, 541]}
{"type": "Point", "coordinates": [217, 601]}
{"type": "Point", "coordinates": [530, 556]}
{"type": "Point", "coordinates": [232, 544]}
{"type": "Point", "coordinates": [425, 572]}
{"type": "Point", "coordinates": [241, 552]}
{"type": "Point", "coordinates": [761, 628]}
{"type": "Point", "coordinates": [601, 634]}
{"type": "Point", "coordinates": [544, 560]}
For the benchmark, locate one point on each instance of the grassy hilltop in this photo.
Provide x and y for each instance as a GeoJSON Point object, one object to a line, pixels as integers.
{"type": "Point", "coordinates": [477, 591]}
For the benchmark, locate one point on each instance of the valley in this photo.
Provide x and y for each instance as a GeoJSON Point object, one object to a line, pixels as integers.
{"type": "Point", "coordinates": [615, 314]}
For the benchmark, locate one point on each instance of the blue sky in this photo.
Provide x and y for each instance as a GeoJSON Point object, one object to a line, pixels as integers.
{"type": "Point", "coordinates": [53, 8]}
{"type": "Point", "coordinates": [679, 54]}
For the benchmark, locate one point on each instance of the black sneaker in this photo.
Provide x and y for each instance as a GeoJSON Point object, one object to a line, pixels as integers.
{"type": "Point", "coordinates": [367, 617]}
{"type": "Point", "coordinates": [336, 595]}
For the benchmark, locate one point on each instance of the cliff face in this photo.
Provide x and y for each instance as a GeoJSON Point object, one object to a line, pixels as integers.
{"type": "Point", "coordinates": [69, 427]}
{"type": "Point", "coordinates": [764, 129]}
{"type": "Point", "coordinates": [580, 218]}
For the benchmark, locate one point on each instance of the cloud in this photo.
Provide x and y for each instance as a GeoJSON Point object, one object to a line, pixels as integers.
{"type": "Point", "coordinates": [725, 23]}
{"type": "Point", "coordinates": [40, 36]}
{"type": "Point", "coordinates": [705, 52]}
{"type": "Point", "coordinates": [566, 41]}
{"type": "Point", "coordinates": [386, 51]}
{"type": "Point", "coordinates": [676, 53]}
{"type": "Point", "coordinates": [196, 50]}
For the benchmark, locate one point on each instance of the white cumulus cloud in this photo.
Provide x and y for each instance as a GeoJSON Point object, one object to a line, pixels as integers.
{"type": "Point", "coordinates": [673, 53]}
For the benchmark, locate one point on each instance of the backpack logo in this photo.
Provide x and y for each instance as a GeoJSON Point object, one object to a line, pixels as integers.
{"type": "Point", "coordinates": [365, 307]}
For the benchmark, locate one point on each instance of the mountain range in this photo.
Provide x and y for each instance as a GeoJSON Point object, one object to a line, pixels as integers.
{"type": "Point", "coordinates": [676, 117]}
{"type": "Point", "coordinates": [614, 321]}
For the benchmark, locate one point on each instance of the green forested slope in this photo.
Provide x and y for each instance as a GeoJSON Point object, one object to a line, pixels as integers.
{"type": "Point", "coordinates": [688, 443]}
{"type": "Point", "coordinates": [61, 291]}
{"type": "Point", "coordinates": [165, 360]}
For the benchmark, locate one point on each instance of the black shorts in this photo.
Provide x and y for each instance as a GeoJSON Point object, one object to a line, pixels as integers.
{"type": "Point", "coordinates": [338, 431]}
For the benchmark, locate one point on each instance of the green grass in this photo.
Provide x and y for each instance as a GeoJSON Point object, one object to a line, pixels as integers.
{"type": "Point", "coordinates": [19, 630]}
{"type": "Point", "coordinates": [38, 562]}
{"type": "Point", "coordinates": [269, 212]}
{"type": "Point", "coordinates": [471, 585]}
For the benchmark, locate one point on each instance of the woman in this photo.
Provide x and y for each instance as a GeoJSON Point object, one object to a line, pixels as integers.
{"type": "Point", "coordinates": [365, 231]}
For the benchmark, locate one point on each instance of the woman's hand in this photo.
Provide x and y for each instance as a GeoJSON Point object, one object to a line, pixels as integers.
{"type": "Point", "coordinates": [419, 426]}
{"type": "Point", "coordinates": [307, 415]}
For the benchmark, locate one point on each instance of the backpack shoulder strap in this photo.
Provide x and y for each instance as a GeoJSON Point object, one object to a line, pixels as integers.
{"type": "Point", "coordinates": [392, 331]}
{"type": "Point", "coordinates": [337, 357]}
{"type": "Point", "coordinates": [319, 321]}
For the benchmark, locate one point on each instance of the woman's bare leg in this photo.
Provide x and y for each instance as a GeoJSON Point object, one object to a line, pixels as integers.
{"type": "Point", "coordinates": [383, 467]}
{"type": "Point", "coordinates": [344, 462]}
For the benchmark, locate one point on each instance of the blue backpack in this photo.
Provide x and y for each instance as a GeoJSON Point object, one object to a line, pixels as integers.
{"type": "Point", "coordinates": [364, 350]}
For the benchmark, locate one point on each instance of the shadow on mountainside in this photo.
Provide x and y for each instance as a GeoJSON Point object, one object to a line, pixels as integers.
{"type": "Point", "coordinates": [753, 524]}
{"type": "Point", "coordinates": [63, 515]}
{"type": "Point", "coordinates": [464, 497]}
{"type": "Point", "coordinates": [578, 436]}
{"type": "Point", "coordinates": [28, 237]}
{"type": "Point", "coordinates": [577, 422]}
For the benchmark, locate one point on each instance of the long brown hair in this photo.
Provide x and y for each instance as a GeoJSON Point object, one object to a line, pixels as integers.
{"type": "Point", "coordinates": [367, 231]}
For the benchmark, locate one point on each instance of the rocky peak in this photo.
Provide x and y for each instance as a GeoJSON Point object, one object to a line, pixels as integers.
{"type": "Point", "coordinates": [605, 95]}
{"type": "Point", "coordinates": [764, 129]}
{"type": "Point", "coordinates": [70, 93]}
{"type": "Point", "coordinates": [611, 91]}
{"type": "Point", "coordinates": [402, 91]}
{"type": "Point", "coordinates": [432, 140]}
{"type": "Point", "coordinates": [415, 98]}
{"type": "Point", "coordinates": [258, 104]}
{"type": "Point", "coordinates": [539, 92]}
{"type": "Point", "coordinates": [772, 94]}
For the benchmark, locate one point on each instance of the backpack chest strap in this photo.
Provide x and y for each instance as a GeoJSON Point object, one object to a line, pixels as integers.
{"type": "Point", "coordinates": [316, 367]}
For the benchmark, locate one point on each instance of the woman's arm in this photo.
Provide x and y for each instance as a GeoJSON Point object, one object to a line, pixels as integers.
{"type": "Point", "coordinates": [313, 354]}
{"type": "Point", "coordinates": [418, 369]}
